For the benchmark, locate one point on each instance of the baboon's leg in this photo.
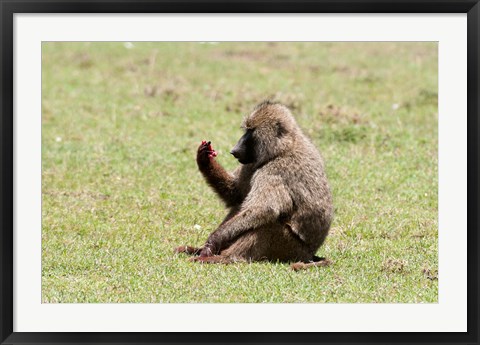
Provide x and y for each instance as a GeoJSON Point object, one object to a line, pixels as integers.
{"type": "Point", "coordinates": [305, 265]}
{"type": "Point", "coordinates": [188, 250]}
{"type": "Point", "coordinates": [271, 242]}
{"type": "Point", "coordinates": [196, 251]}
{"type": "Point", "coordinates": [259, 210]}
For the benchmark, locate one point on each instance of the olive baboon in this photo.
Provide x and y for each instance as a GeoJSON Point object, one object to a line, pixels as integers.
{"type": "Point", "coordinates": [279, 200]}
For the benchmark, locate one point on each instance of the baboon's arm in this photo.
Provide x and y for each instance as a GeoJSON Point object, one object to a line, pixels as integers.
{"type": "Point", "coordinates": [267, 200]}
{"type": "Point", "coordinates": [222, 182]}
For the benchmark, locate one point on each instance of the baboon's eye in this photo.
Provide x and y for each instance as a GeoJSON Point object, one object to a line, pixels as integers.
{"type": "Point", "coordinates": [281, 131]}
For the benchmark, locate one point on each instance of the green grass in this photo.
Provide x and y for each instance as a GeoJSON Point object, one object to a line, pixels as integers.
{"type": "Point", "coordinates": [120, 187]}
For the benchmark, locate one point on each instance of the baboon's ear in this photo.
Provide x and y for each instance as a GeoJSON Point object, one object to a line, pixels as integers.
{"type": "Point", "coordinates": [281, 130]}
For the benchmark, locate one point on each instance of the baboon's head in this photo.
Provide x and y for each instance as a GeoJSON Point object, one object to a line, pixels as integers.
{"type": "Point", "coordinates": [270, 131]}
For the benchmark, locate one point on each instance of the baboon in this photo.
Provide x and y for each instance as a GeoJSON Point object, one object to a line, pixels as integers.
{"type": "Point", "coordinates": [279, 199]}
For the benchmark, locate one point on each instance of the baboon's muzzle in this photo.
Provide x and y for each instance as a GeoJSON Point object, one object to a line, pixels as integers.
{"type": "Point", "coordinates": [243, 150]}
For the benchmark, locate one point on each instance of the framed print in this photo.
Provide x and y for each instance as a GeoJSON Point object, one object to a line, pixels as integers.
{"type": "Point", "coordinates": [246, 172]}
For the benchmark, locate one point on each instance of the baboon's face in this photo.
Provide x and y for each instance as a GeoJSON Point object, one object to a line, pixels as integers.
{"type": "Point", "coordinates": [244, 150]}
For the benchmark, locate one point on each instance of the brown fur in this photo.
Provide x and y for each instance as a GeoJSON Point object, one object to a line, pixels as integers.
{"type": "Point", "coordinates": [280, 205]}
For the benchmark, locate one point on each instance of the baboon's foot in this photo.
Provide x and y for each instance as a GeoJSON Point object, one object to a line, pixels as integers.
{"type": "Point", "coordinates": [305, 265]}
{"type": "Point", "coordinates": [188, 250]}
{"type": "Point", "coordinates": [216, 259]}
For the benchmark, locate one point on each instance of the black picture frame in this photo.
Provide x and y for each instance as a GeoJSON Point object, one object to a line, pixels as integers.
{"type": "Point", "coordinates": [10, 7]}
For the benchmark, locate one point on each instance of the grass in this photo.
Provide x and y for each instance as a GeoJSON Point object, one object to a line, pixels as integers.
{"type": "Point", "coordinates": [120, 128]}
